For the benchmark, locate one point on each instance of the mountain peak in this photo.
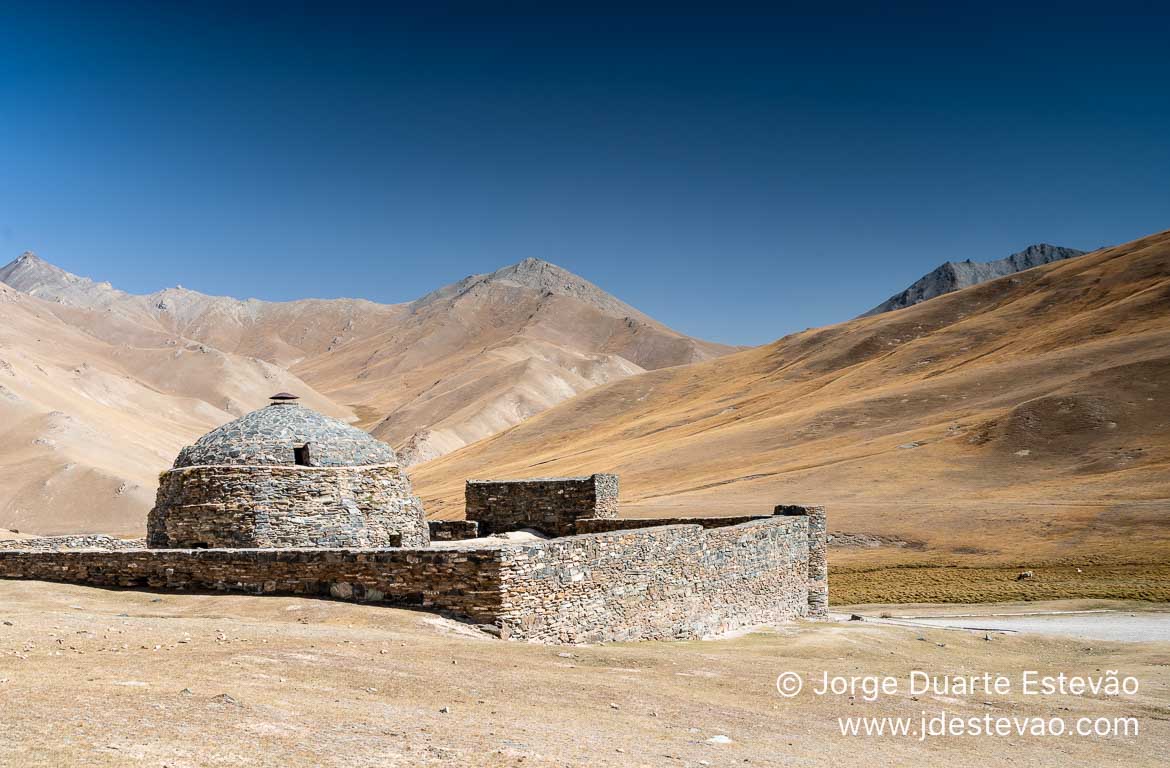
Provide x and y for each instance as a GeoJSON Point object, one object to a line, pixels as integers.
{"type": "Point", "coordinates": [542, 276]}
{"type": "Point", "coordinates": [956, 275]}
{"type": "Point", "coordinates": [537, 273]}
{"type": "Point", "coordinates": [31, 274]}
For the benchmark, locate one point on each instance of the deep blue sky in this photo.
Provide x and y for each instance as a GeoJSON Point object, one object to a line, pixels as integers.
{"type": "Point", "coordinates": [736, 174]}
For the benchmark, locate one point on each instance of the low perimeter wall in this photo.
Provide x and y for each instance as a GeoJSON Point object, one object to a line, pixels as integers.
{"type": "Point", "coordinates": [669, 582]}
{"type": "Point", "coordinates": [462, 582]}
{"type": "Point", "coordinates": [76, 541]}
{"type": "Point", "coordinates": [664, 582]}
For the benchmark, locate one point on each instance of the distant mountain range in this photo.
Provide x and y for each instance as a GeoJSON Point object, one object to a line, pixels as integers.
{"type": "Point", "coordinates": [1026, 415]}
{"type": "Point", "coordinates": [957, 275]}
{"type": "Point", "coordinates": [1023, 418]}
{"type": "Point", "coordinates": [99, 388]}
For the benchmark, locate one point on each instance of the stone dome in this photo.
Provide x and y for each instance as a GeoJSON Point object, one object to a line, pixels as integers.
{"type": "Point", "coordinates": [286, 434]}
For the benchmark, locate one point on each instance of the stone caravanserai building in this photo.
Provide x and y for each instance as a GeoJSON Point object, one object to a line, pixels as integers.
{"type": "Point", "coordinates": [286, 476]}
{"type": "Point", "coordinates": [285, 500]}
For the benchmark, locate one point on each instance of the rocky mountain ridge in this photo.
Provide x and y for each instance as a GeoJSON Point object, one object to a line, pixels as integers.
{"type": "Point", "coordinates": [957, 275]}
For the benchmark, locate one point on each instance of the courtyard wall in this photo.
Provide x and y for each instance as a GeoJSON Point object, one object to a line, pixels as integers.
{"type": "Point", "coordinates": [650, 583]}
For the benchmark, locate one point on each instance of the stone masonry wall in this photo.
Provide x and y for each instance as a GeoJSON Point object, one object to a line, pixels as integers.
{"type": "Point", "coordinates": [465, 583]}
{"type": "Point", "coordinates": [79, 541]}
{"type": "Point", "coordinates": [664, 582]}
{"type": "Point", "coordinates": [453, 530]}
{"type": "Point", "coordinates": [286, 506]}
{"type": "Point", "coordinates": [605, 525]}
{"type": "Point", "coordinates": [818, 575]}
{"type": "Point", "coordinates": [818, 555]}
{"type": "Point", "coordinates": [672, 582]}
{"type": "Point", "coordinates": [549, 505]}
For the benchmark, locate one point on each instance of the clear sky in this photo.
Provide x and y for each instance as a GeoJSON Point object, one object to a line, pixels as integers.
{"type": "Point", "coordinates": [737, 174]}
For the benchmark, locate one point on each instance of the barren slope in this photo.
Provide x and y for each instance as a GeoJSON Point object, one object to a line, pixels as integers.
{"type": "Point", "coordinates": [458, 365]}
{"type": "Point", "coordinates": [1025, 416]}
{"type": "Point", "coordinates": [86, 424]}
{"type": "Point", "coordinates": [492, 350]}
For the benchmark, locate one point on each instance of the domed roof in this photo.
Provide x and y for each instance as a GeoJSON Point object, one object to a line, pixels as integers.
{"type": "Point", "coordinates": [278, 434]}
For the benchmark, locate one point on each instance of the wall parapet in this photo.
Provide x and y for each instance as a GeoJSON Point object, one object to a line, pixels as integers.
{"type": "Point", "coordinates": [606, 525]}
{"type": "Point", "coordinates": [465, 583]}
{"type": "Point", "coordinates": [73, 541]}
{"type": "Point", "coordinates": [551, 505]}
{"type": "Point", "coordinates": [453, 530]}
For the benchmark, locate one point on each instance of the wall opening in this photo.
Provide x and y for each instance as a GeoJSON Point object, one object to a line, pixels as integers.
{"type": "Point", "coordinates": [301, 455]}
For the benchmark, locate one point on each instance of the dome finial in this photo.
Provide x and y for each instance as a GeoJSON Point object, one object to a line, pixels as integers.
{"type": "Point", "coordinates": [282, 398]}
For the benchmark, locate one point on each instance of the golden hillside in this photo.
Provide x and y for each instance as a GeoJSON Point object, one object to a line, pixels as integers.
{"type": "Point", "coordinates": [1025, 416]}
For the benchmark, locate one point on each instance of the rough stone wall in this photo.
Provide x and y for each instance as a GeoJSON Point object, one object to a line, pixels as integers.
{"type": "Point", "coordinates": [551, 505]}
{"type": "Point", "coordinates": [670, 582]}
{"type": "Point", "coordinates": [818, 575]}
{"type": "Point", "coordinates": [661, 582]}
{"type": "Point", "coordinates": [605, 525]}
{"type": "Point", "coordinates": [282, 506]}
{"type": "Point", "coordinates": [80, 541]}
{"type": "Point", "coordinates": [605, 495]}
{"type": "Point", "coordinates": [818, 555]}
{"type": "Point", "coordinates": [453, 530]}
{"type": "Point", "coordinates": [463, 582]}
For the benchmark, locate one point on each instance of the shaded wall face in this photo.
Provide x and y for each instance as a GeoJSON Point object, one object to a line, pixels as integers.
{"type": "Point", "coordinates": [273, 507]}
{"type": "Point", "coordinates": [549, 505]}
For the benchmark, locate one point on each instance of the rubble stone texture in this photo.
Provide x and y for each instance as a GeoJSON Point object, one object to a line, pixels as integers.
{"type": "Point", "coordinates": [663, 582]}
{"type": "Point", "coordinates": [453, 530]}
{"type": "Point", "coordinates": [549, 505]}
{"type": "Point", "coordinates": [78, 541]}
{"type": "Point", "coordinates": [261, 507]}
{"type": "Point", "coordinates": [464, 583]}
{"type": "Point", "coordinates": [242, 486]}
{"type": "Point", "coordinates": [269, 435]}
{"type": "Point", "coordinates": [657, 583]}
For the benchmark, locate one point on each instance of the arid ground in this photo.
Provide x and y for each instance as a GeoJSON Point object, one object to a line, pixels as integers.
{"type": "Point", "coordinates": [116, 678]}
